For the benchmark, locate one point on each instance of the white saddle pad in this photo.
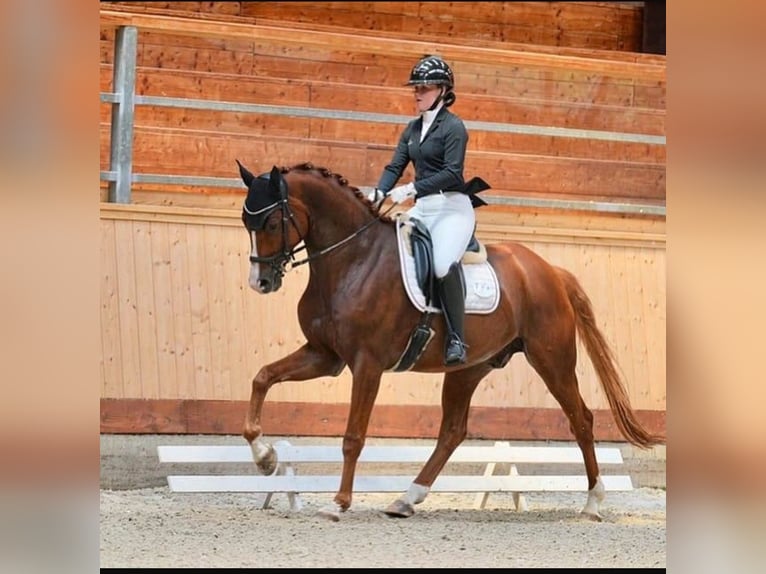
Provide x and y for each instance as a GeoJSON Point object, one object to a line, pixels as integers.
{"type": "Point", "coordinates": [482, 288]}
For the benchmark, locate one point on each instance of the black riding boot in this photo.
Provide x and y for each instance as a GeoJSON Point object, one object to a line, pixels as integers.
{"type": "Point", "coordinates": [452, 296]}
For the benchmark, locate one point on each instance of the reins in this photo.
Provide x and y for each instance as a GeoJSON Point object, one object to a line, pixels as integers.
{"type": "Point", "coordinates": [312, 257]}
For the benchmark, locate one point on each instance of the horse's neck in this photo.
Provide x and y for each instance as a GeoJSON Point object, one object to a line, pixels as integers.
{"type": "Point", "coordinates": [335, 219]}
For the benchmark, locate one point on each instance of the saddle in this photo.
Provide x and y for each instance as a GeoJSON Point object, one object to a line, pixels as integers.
{"type": "Point", "coordinates": [482, 294]}
{"type": "Point", "coordinates": [416, 260]}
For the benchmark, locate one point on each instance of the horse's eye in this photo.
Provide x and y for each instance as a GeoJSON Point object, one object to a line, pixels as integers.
{"type": "Point", "coordinates": [271, 226]}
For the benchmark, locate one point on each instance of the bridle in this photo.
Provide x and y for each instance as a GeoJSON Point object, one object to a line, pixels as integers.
{"type": "Point", "coordinates": [279, 261]}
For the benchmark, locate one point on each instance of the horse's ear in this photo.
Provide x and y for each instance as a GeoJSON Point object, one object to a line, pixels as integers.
{"type": "Point", "coordinates": [247, 177]}
{"type": "Point", "coordinates": [277, 183]}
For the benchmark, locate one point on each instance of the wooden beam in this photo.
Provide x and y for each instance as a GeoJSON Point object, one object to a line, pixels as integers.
{"type": "Point", "coordinates": [178, 416]}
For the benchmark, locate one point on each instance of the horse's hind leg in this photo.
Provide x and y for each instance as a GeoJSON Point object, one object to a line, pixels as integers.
{"type": "Point", "coordinates": [557, 369]}
{"type": "Point", "coordinates": [457, 390]}
{"type": "Point", "coordinates": [303, 364]}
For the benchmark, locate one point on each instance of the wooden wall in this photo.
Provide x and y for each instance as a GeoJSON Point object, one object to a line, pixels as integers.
{"type": "Point", "coordinates": [179, 322]}
{"type": "Point", "coordinates": [183, 335]}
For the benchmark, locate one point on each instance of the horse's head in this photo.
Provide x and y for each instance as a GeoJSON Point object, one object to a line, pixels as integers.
{"type": "Point", "coordinates": [272, 227]}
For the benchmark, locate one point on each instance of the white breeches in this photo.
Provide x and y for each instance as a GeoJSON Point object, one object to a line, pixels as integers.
{"type": "Point", "coordinates": [451, 220]}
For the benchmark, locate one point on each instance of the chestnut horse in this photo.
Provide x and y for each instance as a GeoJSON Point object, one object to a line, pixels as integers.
{"type": "Point", "coordinates": [355, 312]}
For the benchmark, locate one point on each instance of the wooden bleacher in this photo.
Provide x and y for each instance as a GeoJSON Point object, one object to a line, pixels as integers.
{"type": "Point", "coordinates": [536, 24]}
{"type": "Point", "coordinates": [220, 56]}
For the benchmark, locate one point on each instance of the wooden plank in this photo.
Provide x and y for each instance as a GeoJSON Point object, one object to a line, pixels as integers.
{"type": "Point", "coordinates": [656, 322]}
{"type": "Point", "coordinates": [229, 48]}
{"type": "Point", "coordinates": [182, 313]}
{"type": "Point", "coordinates": [192, 8]}
{"type": "Point", "coordinates": [111, 353]}
{"type": "Point", "coordinates": [389, 420]}
{"type": "Point", "coordinates": [524, 175]}
{"type": "Point", "coordinates": [500, 42]}
{"type": "Point", "coordinates": [215, 86]}
{"type": "Point", "coordinates": [635, 309]}
{"type": "Point", "coordinates": [344, 64]}
{"type": "Point", "coordinates": [367, 133]}
{"type": "Point", "coordinates": [181, 26]}
{"type": "Point", "coordinates": [634, 234]}
{"type": "Point", "coordinates": [384, 453]}
{"type": "Point", "coordinates": [535, 220]}
{"type": "Point", "coordinates": [204, 154]}
{"type": "Point", "coordinates": [217, 323]}
{"type": "Point", "coordinates": [173, 214]}
{"type": "Point", "coordinates": [307, 92]}
{"type": "Point", "coordinates": [394, 483]}
{"type": "Point", "coordinates": [167, 378]}
{"type": "Point", "coordinates": [371, 133]}
{"type": "Point", "coordinates": [212, 60]}
{"type": "Point", "coordinates": [145, 310]}
{"type": "Point", "coordinates": [493, 225]}
{"type": "Point", "coordinates": [178, 196]}
{"type": "Point", "coordinates": [200, 317]}
{"type": "Point", "coordinates": [235, 268]}
{"type": "Point", "coordinates": [506, 19]}
{"type": "Point", "coordinates": [128, 315]}
{"type": "Point", "coordinates": [620, 332]}
{"type": "Point", "coordinates": [468, 20]}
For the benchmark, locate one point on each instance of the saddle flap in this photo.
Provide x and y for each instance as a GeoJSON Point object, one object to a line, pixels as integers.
{"type": "Point", "coordinates": [422, 252]}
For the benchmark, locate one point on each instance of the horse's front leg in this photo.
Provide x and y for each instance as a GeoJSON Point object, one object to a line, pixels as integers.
{"type": "Point", "coordinates": [306, 363]}
{"type": "Point", "coordinates": [457, 389]}
{"type": "Point", "coordinates": [364, 390]}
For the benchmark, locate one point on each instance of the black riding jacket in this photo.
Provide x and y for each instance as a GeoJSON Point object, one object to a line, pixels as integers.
{"type": "Point", "coordinates": [438, 159]}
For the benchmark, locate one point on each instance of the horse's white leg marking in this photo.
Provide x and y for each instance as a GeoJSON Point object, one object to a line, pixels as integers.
{"type": "Point", "coordinates": [416, 493]}
{"type": "Point", "coordinates": [595, 497]}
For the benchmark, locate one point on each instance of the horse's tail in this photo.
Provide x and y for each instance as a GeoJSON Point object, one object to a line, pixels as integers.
{"type": "Point", "coordinates": [603, 360]}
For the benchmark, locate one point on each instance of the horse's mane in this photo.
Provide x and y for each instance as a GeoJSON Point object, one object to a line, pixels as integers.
{"type": "Point", "coordinates": [338, 180]}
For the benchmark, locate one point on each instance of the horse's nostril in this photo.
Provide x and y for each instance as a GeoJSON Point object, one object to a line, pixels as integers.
{"type": "Point", "coordinates": [264, 285]}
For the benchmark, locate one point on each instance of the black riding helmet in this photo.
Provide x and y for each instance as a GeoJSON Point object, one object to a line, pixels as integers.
{"type": "Point", "coordinates": [432, 70]}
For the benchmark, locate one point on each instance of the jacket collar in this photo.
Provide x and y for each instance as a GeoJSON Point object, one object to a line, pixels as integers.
{"type": "Point", "coordinates": [437, 116]}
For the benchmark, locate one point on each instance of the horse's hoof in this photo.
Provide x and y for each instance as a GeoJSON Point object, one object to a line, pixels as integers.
{"type": "Point", "coordinates": [594, 516]}
{"type": "Point", "coordinates": [264, 457]}
{"type": "Point", "coordinates": [268, 464]}
{"type": "Point", "coordinates": [400, 509]}
{"type": "Point", "coordinates": [330, 513]}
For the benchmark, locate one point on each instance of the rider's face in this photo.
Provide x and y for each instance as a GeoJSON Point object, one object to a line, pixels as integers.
{"type": "Point", "coordinates": [425, 96]}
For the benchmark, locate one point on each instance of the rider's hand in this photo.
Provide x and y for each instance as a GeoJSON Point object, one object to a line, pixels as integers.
{"type": "Point", "coordinates": [401, 193]}
{"type": "Point", "coordinates": [375, 195]}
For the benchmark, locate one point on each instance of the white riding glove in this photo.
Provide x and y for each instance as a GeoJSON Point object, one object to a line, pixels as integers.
{"type": "Point", "coordinates": [375, 195]}
{"type": "Point", "coordinates": [401, 193]}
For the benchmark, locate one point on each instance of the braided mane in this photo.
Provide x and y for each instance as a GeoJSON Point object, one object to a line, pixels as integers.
{"type": "Point", "coordinates": [339, 180]}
